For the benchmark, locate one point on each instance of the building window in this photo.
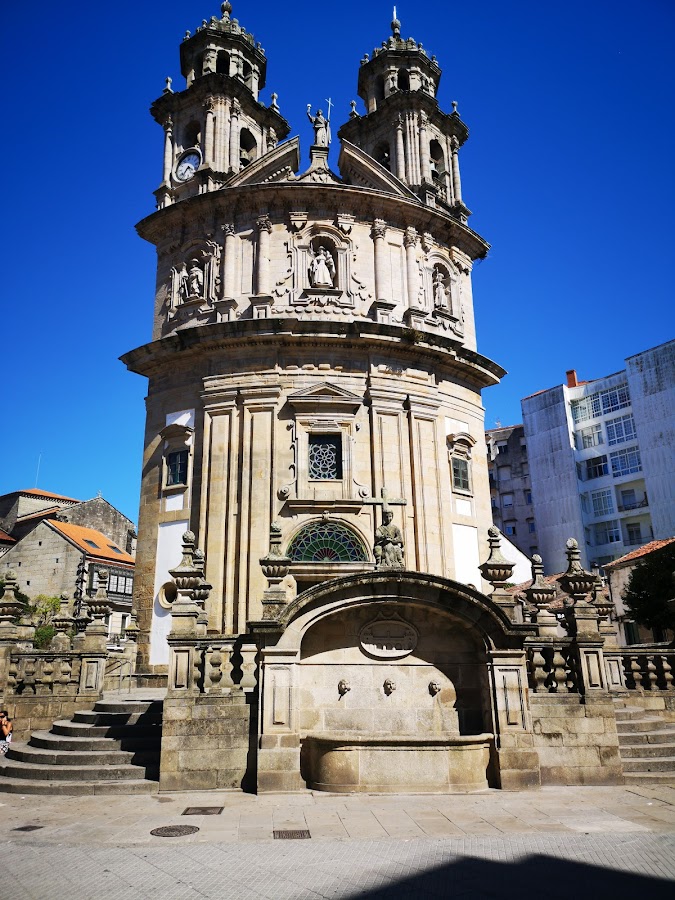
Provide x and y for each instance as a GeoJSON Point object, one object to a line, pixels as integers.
{"type": "Point", "coordinates": [615, 398]}
{"type": "Point", "coordinates": [586, 408]}
{"type": "Point", "coordinates": [625, 462]}
{"type": "Point", "coordinates": [531, 527]}
{"type": "Point", "coordinates": [507, 501]}
{"type": "Point", "coordinates": [589, 437]}
{"type": "Point", "coordinates": [634, 533]}
{"type": "Point", "coordinates": [620, 430]}
{"type": "Point", "coordinates": [460, 475]}
{"type": "Point", "coordinates": [325, 457]}
{"type": "Point", "coordinates": [631, 633]}
{"type": "Point", "coordinates": [603, 504]}
{"type": "Point", "coordinates": [327, 542]}
{"type": "Point", "coordinates": [176, 467]}
{"type": "Point", "coordinates": [607, 533]}
{"type": "Point", "coordinates": [504, 473]}
{"type": "Point", "coordinates": [502, 447]}
{"type": "Point", "coordinates": [596, 467]}
{"type": "Point", "coordinates": [525, 471]}
{"type": "Point", "coordinates": [510, 529]}
{"type": "Point", "coordinates": [528, 498]}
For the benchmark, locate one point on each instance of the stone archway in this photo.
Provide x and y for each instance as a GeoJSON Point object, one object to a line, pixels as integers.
{"type": "Point", "coordinates": [390, 682]}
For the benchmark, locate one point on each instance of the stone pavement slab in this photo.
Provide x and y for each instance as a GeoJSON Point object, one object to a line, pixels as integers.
{"type": "Point", "coordinates": [559, 842]}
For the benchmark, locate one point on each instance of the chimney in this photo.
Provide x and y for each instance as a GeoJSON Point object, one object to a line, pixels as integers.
{"type": "Point", "coordinates": [572, 378]}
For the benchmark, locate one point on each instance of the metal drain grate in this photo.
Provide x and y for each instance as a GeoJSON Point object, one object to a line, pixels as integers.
{"type": "Point", "coordinates": [174, 830]}
{"type": "Point", "coordinates": [202, 811]}
{"type": "Point", "coordinates": [28, 828]}
{"type": "Point", "coordinates": [298, 835]}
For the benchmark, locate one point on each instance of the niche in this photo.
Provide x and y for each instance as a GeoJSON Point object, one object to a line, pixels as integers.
{"type": "Point", "coordinates": [192, 135]}
{"type": "Point", "coordinates": [403, 80]}
{"type": "Point", "coordinates": [248, 148]}
{"type": "Point", "coordinates": [437, 161]}
{"type": "Point", "coordinates": [383, 155]}
{"type": "Point", "coordinates": [223, 63]}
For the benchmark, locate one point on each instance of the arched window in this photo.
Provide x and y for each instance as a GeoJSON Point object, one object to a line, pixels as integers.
{"type": "Point", "coordinates": [437, 159]}
{"type": "Point", "coordinates": [383, 155]}
{"type": "Point", "coordinates": [223, 63]}
{"type": "Point", "coordinates": [379, 88]}
{"type": "Point", "coordinates": [327, 542]}
{"type": "Point", "coordinates": [246, 73]}
{"type": "Point", "coordinates": [248, 149]}
{"type": "Point", "coordinates": [403, 80]}
{"type": "Point", "coordinates": [192, 135]}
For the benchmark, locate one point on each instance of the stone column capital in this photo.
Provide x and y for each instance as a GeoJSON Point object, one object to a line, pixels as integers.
{"type": "Point", "coordinates": [410, 237]}
{"type": "Point", "coordinates": [168, 125]}
{"type": "Point", "coordinates": [263, 224]}
{"type": "Point", "coordinates": [379, 229]}
{"type": "Point", "coordinates": [228, 229]}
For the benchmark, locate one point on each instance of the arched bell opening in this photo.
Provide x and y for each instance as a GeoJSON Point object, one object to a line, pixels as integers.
{"type": "Point", "coordinates": [403, 80]}
{"type": "Point", "coordinates": [382, 154]}
{"type": "Point", "coordinates": [192, 135]}
{"type": "Point", "coordinates": [223, 63]}
{"type": "Point", "coordinates": [248, 148]}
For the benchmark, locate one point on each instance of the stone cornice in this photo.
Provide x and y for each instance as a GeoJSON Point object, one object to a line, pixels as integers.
{"type": "Point", "coordinates": [279, 198]}
{"type": "Point", "coordinates": [440, 352]}
{"type": "Point", "coordinates": [402, 102]}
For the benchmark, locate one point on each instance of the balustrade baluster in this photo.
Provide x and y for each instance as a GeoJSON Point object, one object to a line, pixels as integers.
{"type": "Point", "coordinates": [214, 665]}
{"type": "Point", "coordinates": [636, 672]}
{"type": "Point", "coordinates": [652, 677]}
{"type": "Point", "coordinates": [667, 670]}
{"type": "Point", "coordinates": [539, 674]}
{"type": "Point", "coordinates": [559, 672]}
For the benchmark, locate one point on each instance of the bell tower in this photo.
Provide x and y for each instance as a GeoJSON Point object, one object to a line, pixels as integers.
{"type": "Point", "coordinates": [404, 128]}
{"type": "Point", "coordinates": [217, 125]}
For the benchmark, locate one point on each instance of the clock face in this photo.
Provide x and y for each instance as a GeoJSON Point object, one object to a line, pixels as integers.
{"type": "Point", "coordinates": [188, 165]}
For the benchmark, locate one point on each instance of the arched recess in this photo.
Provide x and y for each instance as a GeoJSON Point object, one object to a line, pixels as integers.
{"type": "Point", "coordinates": [192, 135]}
{"type": "Point", "coordinates": [382, 154]}
{"type": "Point", "coordinates": [403, 80]}
{"type": "Point", "coordinates": [223, 63]}
{"type": "Point", "coordinates": [248, 148]}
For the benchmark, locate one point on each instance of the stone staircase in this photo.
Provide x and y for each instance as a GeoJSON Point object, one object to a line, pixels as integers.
{"type": "Point", "coordinates": [112, 749]}
{"type": "Point", "coordinates": [646, 744]}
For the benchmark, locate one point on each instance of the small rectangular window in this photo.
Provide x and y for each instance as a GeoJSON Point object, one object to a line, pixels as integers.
{"type": "Point", "coordinates": [507, 501]}
{"type": "Point", "coordinates": [531, 527]}
{"type": "Point", "coordinates": [510, 529]}
{"type": "Point", "coordinates": [176, 467]}
{"type": "Point", "coordinates": [620, 429]}
{"type": "Point", "coordinates": [596, 467]}
{"type": "Point", "coordinates": [92, 544]}
{"type": "Point", "coordinates": [325, 457]}
{"type": "Point", "coordinates": [460, 475]}
{"type": "Point", "coordinates": [625, 462]}
{"type": "Point", "coordinates": [528, 497]}
{"type": "Point", "coordinates": [603, 503]}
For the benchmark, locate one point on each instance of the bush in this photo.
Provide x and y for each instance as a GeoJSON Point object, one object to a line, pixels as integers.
{"type": "Point", "coordinates": [43, 636]}
{"type": "Point", "coordinates": [650, 594]}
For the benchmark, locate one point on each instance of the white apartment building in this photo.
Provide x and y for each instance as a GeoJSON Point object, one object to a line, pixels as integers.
{"type": "Point", "coordinates": [602, 460]}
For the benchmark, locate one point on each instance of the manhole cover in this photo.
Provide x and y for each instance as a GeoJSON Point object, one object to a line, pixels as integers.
{"type": "Point", "coordinates": [28, 828]}
{"type": "Point", "coordinates": [298, 835]}
{"type": "Point", "coordinates": [202, 811]}
{"type": "Point", "coordinates": [174, 830]}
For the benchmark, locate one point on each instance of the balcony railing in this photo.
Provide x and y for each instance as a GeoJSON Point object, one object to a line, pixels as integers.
{"type": "Point", "coordinates": [635, 504]}
{"type": "Point", "coordinates": [635, 541]}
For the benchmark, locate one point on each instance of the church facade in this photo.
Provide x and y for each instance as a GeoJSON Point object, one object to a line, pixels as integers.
{"type": "Point", "coordinates": [315, 501]}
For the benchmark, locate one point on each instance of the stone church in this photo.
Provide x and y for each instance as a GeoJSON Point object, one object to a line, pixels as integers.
{"type": "Point", "coordinates": [315, 505]}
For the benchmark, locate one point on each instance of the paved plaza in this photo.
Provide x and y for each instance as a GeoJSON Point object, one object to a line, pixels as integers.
{"type": "Point", "coordinates": [558, 842]}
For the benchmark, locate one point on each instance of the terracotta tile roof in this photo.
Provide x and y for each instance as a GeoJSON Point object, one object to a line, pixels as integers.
{"type": "Point", "coordinates": [34, 492]}
{"type": "Point", "coordinates": [92, 542]}
{"type": "Point", "coordinates": [641, 551]}
{"type": "Point", "coordinates": [40, 513]}
{"type": "Point", "coordinates": [6, 537]}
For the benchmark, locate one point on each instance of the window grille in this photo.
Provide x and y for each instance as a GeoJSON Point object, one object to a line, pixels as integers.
{"type": "Point", "coordinates": [327, 542]}
{"type": "Point", "coordinates": [325, 457]}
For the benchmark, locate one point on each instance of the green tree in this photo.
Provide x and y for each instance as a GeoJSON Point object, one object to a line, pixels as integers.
{"type": "Point", "coordinates": [650, 594]}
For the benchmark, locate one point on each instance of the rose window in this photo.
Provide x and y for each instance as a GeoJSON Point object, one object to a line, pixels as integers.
{"type": "Point", "coordinates": [327, 542]}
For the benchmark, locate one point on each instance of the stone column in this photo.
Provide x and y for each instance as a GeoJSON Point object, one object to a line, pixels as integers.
{"type": "Point", "coordinates": [424, 148]}
{"type": "Point", "coordinates": [263, 256]}
{"type": "Point", "coordinates": [410, 244]}
{"type": "Point", "coordinates": [378, 233]}
{"type": "Point", "coordinates": [208, 133]}
{"type": "Point", "coordinates": [168, 150]}
{"type": "Point", "coordinates": [456, 180]}
{"type": "Point", "coordinates": [229, 270]}
{"type": "Point", "coordinates": [400, 150]}
{"type": "Point", "coordinates": [225, 137]}
{"type": "Point", "coordinates": [218, 136]}
{"type": "Point", "coordinates": [234, 138]}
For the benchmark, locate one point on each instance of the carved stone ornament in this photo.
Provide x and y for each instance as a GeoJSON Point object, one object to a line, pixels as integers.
{"type": "Point", "coordinates": [388, 638]}
{"type": "Point", "coordinates": [196, 280]}
{"type": "Point", "coordinates": [343, 687]}
{"type": "Point", "coordinates": [389, 686]}
{"type": "Point", "coordinates": [434, 688]}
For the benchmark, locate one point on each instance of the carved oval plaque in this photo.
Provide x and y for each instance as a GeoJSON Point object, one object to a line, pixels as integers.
{"type": "Point", "coordinates": [388, 638]}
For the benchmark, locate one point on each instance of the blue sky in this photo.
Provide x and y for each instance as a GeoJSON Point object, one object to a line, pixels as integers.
{"type": "Point", "coordinates": [568, 171]}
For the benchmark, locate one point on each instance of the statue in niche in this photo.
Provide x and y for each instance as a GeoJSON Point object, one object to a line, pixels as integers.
{"type": "Point", "coordinates": [193, 282]}
{"type": "Point", "coordinates": [388, 549]}
{"type": "Point", "coordinates": [321, 127]}
{"type": "Point", "coordinates": [440, 292]}
{"type": "Point", "coordinates": [322, 269]}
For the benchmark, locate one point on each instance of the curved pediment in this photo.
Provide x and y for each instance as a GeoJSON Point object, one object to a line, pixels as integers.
{"type": "Point", "coordinates": [359, 168]}
{"type": "Point", "coordinates": [276, 165]}
{"type": "Point", "coordinates": [325, 396]}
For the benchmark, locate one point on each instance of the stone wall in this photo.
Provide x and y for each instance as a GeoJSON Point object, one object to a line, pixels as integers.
{"type": "Point", "coordinates": [576, 739]}
{"type": "Point", "coordinates": [38, 713]}
{"type": "Point", "coordinates": [99, 514]}
{"type": "Point", "coordinates": [43, 562]}
{"type": "Point", "coordinates": [206, 743]}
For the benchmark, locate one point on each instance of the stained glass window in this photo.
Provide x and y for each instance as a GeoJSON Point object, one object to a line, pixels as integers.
{"type": "Point", "coordinates": [325, 456]}
{"type": "Point", "coordinates": [327, 542]}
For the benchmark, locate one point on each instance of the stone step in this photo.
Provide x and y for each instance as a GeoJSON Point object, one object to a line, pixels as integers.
{"type": "Point", "coordinates": [646, 751]}
{"type": "Point", "coordinates": [123, 772]}
{"type": "Point", "coordinates": [649, 777]}
{"type": "Point", "coordinates": [644, 724]}
{"type": "Point", "coordinates": [111, 757]}
{"type": "Point", "coordinates": [85, 729]}
{"type": "Point", "coordinates": [626, 713]}
{"type": "Point", "coordinates": [661, 764]}
{"type": "Point", "coordinates": [91, 717]}
{"type": "Point", "coordinates": [12, 785]}
{"type": "Point", "coordinates": [666, 736]}
{"type": "Point", "coordinates": [49, 741]}
{"type": "Point", "coordinates": [128, 706]}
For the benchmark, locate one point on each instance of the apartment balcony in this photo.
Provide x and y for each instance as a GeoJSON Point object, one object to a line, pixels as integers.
{"type": "Point", "coordinates": [635, 504]}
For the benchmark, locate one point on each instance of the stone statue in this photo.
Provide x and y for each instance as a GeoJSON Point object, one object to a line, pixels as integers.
{"type": "Point", "coordinates": [440, 294]}
{"type": "Point", "coordinates": [322, 269]}
{"type": "Point", "coordinates": [388, 548]}
{"type": "Point", "coordinates": [321, 127]}
{"type": "Point", "coordinates": [193, 281]}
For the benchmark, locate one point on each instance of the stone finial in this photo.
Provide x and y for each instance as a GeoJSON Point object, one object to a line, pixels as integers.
{"type": "Point", "coordinates": [187, 35]}
{"type": "Point", "coordinates": [226, 10]}
{"type": "Point", "coordinates": [396, 26]}
{"type": "Point", "coordinates": [576, 581]}
{"type": "Point", "coordinates": [10, 606]}
{"type": "Point", "coordinates": [540, 594]}
{"type": "Point", "coordinates": [275, 564]}
{"type": "Point", "coordinates": [454, 108]}
{"type": "Point", "coordinates": [99, 604]}
{"type": "Point", "coordinates": [167, 90]}
{"type": "Point", "coordinates": [496, 569]}
{"type": "Point", "coordinates": [273, 103]}
{"type": "Point", "coordinates": [352, 112]}
{"type": "Point", "coordinates": [187, 575]}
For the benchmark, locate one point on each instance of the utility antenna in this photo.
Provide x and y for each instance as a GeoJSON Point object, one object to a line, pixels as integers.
{"type": "Point", "coordinates": [37, 473]}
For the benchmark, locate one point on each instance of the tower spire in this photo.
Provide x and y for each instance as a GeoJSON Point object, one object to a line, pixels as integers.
{"type": "Point", "coordinates": [396, 26]}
